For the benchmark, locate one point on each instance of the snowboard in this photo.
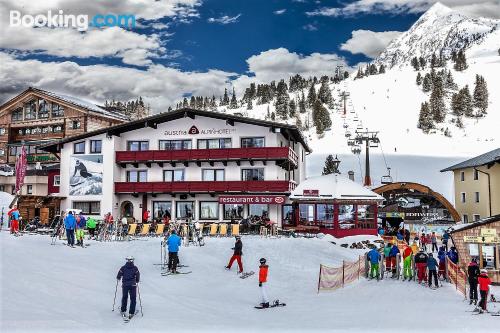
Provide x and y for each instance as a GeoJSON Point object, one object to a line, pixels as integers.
{"type": "Point", "coordinates": [246, 274]}
{"type": "Point", "coordinates": [177, 273]}
{"type": "Point", "coordinates": [275, 304]}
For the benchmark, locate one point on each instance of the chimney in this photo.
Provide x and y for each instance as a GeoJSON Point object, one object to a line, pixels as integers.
{"type": "Point", "coordinates": [351, 175]}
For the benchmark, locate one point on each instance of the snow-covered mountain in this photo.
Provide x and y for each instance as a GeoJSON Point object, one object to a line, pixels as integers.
{"type": "Point", "coordinates": [440, 30]}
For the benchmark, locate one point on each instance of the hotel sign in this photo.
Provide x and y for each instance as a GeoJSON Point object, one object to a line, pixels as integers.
{"type": "Point", "coordinates": [193, 130]}
{"type": "Point", "coordinates": [252, 199]}
{"type": "Point", "coordinates": [310, 193]}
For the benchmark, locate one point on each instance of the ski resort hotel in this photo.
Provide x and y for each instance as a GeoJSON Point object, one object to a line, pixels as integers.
{"type": "Point", "coordinates": [207, 167]}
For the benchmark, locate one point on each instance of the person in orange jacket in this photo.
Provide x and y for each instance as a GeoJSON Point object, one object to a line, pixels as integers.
{"type": "Point", "coordinates": [484, 285]}
{"type": "Point", "coordinates": [263, 269]}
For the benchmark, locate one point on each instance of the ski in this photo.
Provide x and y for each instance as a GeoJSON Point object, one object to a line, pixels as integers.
{"type": "Point", "coordinates": [176, 273]}
{"type": "Point", "coordinates": [246, 274]}
{"type": "Point", "coordinates": [275, 304]}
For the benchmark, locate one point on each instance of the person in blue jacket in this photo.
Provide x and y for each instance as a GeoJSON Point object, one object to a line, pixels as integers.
{"type": "Point", "coordinates": [130, 276]}
{"type": "Point", "coordinates": [70, 225]}
{"type": "Point", "coordinates": [432, 266]}
{"type": "Point", "coordinates": [453, 255]}
{"type": "Point", "coordinates": [393, 254]}
{"type": "Point", "coordinates": [444, 240]}
{"type": "Point", "coordinates": [442, 262]}
{"type": "Point", "coordinates": [173, 244]}
{"type": "Point", "coordinates": [374, 257]}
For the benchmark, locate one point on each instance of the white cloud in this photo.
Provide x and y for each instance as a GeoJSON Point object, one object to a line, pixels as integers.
{"type": "Point", "coordinates": [487, 8]}
{"type": "Point", "coordinates": [369, 43]}
{"type": "Point", "coordinates": [280, 11]}
{"type": "Point", "coordinates": [224, 19]}
{"type": "Point", "coordinates": [310, 27]}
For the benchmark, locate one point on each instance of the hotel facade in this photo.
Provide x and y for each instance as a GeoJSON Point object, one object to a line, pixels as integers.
{"type": "Point", "coordinates": [184, 164]}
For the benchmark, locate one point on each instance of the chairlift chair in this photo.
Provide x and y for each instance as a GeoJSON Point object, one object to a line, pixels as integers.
{"type": "Point", "coordinates": [387, 179]}
{"type": "Point", "coordinates": [345, 125]}
{"type": "Point", "coordinates": [347, 134]}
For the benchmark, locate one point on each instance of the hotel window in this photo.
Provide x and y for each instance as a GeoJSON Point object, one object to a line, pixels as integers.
{"type": "Point", "coordinates": [462, 197]}
{"type": "Point", "coordinates": [95, 146]}
{"type": "Point", "coordinates": [29, 189]}
{"type": "Point", "coordinates": [57, 180]}
{"type": "Point", "coordinates": [212, 175]}
{"type": "Point", "coordinates": [214, 143]}
{"type": "Point", "coordinates": [324, 215]}
{"type": "Point", "coordinates": [184, 209]}
{"type": "Point", "coordinates": [137, 145]}
{"type": "Point", "coordinates": [88, 207]}
{"type": "Point", "coordinates": [462, 176]}
{"type": "Point", "coordinates": [209, 210]}
{"type": "Point", "coordinates": [176, 175]}
{"type": "Point", "coordinates": [75, 124]}
{"type": "Point", "coordinates": [252, 174]}
{"type": "Point", "coordinates": [137, 176]}
{"type": "Point", "coordinates": [476, 174]}
{"type": "Point", "coordinates": [162, 209]}
{"type": "Point", "coordinates": [174, 144]}
{"type": "Point", "coordinates": [17, 115]}
{"type": "Point", "coordinates": [57, 110]}
{"type": "Point", "coordinates": [476, 217]}
{"type": "Point", "coordinates": [465, 218]}
{"type": "Point", "coordinates": [79, 148]}
{"type": "Point", "coordinates": [233, 211]}
{"type": "Point", "coordinates": [476, 196]}
{"type": "Point", "coordinates": [258, 210]}
{"type": "Point", "coordinates": [43, 109]}
{"type": "Point", "coordinates": [30, 110]}
{"type": "Point", "coordinates": [252, 142]}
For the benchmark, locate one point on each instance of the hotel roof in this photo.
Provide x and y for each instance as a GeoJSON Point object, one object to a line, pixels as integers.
{"type": "Point", "coordinates": [488, 158]}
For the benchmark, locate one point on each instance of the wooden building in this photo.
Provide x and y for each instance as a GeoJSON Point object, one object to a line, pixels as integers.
{"type": "Point", "coordinates": [480, 239]}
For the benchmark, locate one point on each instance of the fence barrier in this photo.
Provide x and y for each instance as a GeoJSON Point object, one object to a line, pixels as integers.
{"type": "Point", "coordinates": [332, 278]}
{"type": "Point", "coordinates": [456, 276]}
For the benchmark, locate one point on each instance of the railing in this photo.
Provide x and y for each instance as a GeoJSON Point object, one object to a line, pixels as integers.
{"type": "Point", "coordinates": [272, 186]}
{"type": "Point", "coordinates": [201, 155]}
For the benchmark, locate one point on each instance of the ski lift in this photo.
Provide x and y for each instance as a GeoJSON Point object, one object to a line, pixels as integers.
{"type": "Point", "coordinates": [360, 126]}
{"type": "Point", "coordinates": [345, 125]}
{"type": "Point", "coordinates": [356, 150]}
{"type": "Point", "coordinates": [350, 142]}
{"type": "Point", "coordinates": [387, 179]}
{"type": "Point", "coordinates": [355, 118]}
{"type": "Point", "coordinates": [347, 134]}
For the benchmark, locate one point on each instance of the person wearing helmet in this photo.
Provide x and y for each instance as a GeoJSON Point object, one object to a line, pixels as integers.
{"type": "Point", "coordinates": [484, 286]}
{"type": "Point", "coordinates": [473, 274]}
{"type": "Point", "coordinates": [421, 264]}
{"type": "Point", "coordinates": [432, 266]}
{"type": "Point", "coordinates": [173, 243]}
{"type": "Point", "coordinates": [387, 250]}
{"type": "Point", "coordinates": [263, 269]}
{"type": "Point", "coordinates": [238, 247]}
{"type": "Point", "coordinates": [130, 276]}
{"type": "Point", "coordinates": [374, 257]}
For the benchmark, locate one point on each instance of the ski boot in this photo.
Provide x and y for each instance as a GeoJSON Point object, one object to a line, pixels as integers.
{"type": "Point", "coordinates": [265, 305]}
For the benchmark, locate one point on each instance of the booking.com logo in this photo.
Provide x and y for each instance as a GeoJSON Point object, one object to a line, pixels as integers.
{"type": "Point", "coordinates": [79, 22]}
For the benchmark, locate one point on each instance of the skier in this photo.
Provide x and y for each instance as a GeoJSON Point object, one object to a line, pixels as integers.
{"type": "Point", "coordinates": [69, 225]}
{"type": "Point", "coordinates": [473, 274]}
{"type": "Point", "coordinates": [91, 224]}
{"type": "Point", "coordinates": [374, 257]}
{"type": "Point", "coordinates": [423, 242]}
{"type": "Point", "coordinates": [238, 247]}
{"type": "Point", "coordinates": [444, 239]}
{"type": "Point", "coordinates": [432, 266]}
{"type": "Point", "coordinates": [434, 242]}
{"type": "Point", "coordinates": [173, 243]}
{"type": "Point", "coordinates": [393, 254]}
{"type": "Point", "coordinates": [453, 255]}
{"type": "Point", "coordinates": [82, 168]}
{"type": "Point", "coordinates": [421, 263]}
{"type": "Point", "coordinates": [263, 269]}
{"type": "Point", "coordinates": [130, 276]}
{"type": "Point", "coordinates": [442, 262]}
{"type": "Point", "coordinates": [80, 226]}
{"type": "Point", "coordinates": [387, 251]}
{"type": "Point", "coordinates": [14, 216]}
{"type": "Point", "coordinates": [414, 248]}
{"type": "Point", "coordinates": [407, 255]}
{"type": "Point", "coordinates": [407, 236]}
{"type": "Point", "coordinates": [484, 285]}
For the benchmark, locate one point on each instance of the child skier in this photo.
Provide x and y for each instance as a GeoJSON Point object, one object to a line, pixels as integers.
{"type": "Point", "coordinates": [407, 255]}
{"type": "Point", "coordinates": [442, 262]}
{"type": "Point", "coordinates": [14, 217]}
{"type": "Point", "coordinates": [173, 243]}
{"type": "Point", "coordinates": [484, 285]}
{"type": "Point", "coordinates": [432, 266]}
{"type": "Point", "coordinates": [421, 264]}
{"type": "Point", "coordinates": [374, 258]}
{"type": "Point", "coordinates": [473, 274]}
{"type": "Point", "coordinates": [130, 276]}
{"type": "Point", "coordinates": [393, 254]}
{"type": "Point", "coordinates": [263, 269]}
{"type": "Point", "coordinates": [387, 251]}
{"type": "Point", "coordinates": [238, 247]}
{"type": "Point", "coordinates": [80, 226]}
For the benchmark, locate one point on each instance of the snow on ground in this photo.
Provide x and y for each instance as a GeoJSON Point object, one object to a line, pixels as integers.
{"type": "Point", "coordinates": [60, 289]}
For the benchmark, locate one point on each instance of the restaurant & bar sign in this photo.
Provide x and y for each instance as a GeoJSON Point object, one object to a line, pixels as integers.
{"type": "Point", "coordinates": [252, 199]}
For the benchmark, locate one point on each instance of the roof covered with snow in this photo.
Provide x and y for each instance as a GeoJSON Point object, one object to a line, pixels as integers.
{"type": "Point", "coordinates": [331, 187]}
{"type": "Point", "coordinates": [465, 226]}
{"type": "Point", "coordinates": [487, 158]}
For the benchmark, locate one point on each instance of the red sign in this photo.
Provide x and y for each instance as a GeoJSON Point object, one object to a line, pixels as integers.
{"type": "Point", "coordinates": [21, 165]}
{"type": "Point", "coordinates": [194, 130]}
{"type": "Point", "coordinates": [252, 199]}
{"type": "Point", "coordinates": [310, 193]}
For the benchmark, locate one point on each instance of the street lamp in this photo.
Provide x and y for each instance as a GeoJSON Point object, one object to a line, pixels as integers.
{"type": "Point", "coordinates": [336, 163]}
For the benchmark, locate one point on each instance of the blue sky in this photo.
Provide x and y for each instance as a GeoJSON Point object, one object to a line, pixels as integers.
{"type": "Point", "coordinates": [199, 47]}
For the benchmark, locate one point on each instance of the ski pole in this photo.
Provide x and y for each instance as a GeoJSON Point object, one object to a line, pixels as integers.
{"type": "Point", "coordinates": [116, 289]}
{"type": "Point", "coordinates": [140, 302]}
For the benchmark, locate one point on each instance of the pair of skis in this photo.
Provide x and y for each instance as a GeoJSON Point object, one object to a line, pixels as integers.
{"type": "Point", "coordinates": [274, 304]}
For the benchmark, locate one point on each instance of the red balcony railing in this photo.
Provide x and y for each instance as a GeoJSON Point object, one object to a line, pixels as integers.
{"type": "Point", "coordinates": [251, 186]}
{"type": "Point", "coordinates": [209, 155]}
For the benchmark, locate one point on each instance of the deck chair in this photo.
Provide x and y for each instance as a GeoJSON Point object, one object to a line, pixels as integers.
{"type": "Point", "coordinates": [131, 230]}
{"type": "Point", "coordinates": [213, 229]}
{"type": "Point", "coordinates": [223, 229]}
{"type": "Point", "coordinates": [159, 229]}
{"type": "Point", "coordinates": [274, 230]}
{"type": "Point", "coordinates": [235, 229]}
{"type": "Point", "coordinates": [145, 229]}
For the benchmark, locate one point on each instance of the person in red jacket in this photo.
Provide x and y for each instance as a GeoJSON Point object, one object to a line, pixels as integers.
{"type": "Point", "coordinates": [484, 285]}
{"type": "Point", "coordinates": [263, 269]}
{"type": "Point", "coordinates": [145, 216]}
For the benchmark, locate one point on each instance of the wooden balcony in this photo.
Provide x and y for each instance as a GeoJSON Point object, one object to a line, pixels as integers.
{"type": "Point", "coordinates": [193, 187]}
{"type": "Point", "coordinates": [284, 156]}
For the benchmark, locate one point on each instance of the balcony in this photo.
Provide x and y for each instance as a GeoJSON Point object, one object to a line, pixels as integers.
{"type": "Point", "coordinates": [193, 187]}
{"type": "Point", "coordinates": [284, 156]}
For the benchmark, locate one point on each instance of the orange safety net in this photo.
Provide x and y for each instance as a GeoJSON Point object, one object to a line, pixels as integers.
{"type": "Point", "coordinates": [331, 278]}
{"type": "Point", "coordinates": [457, 276]}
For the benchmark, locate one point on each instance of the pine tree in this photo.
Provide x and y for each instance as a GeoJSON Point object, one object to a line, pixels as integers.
{"type": "Point", "coordinates": [436, 101]}
{"type": "Point", "coordinates": [292, 108]}
{"type": "Point", "coordinates": [298, 121]}
{"type": "Point", "coordinates": [249, 104]}
{"type": "Point", "coordinates": [381, 69]}
{"type": "Point", "coordinates": [422, 62]}
{"type": "Point", "coordinates": [373, 69]}
{"type": "Point", "coordinates": [234, 101]}
{"type": "Point", "coordinates": [461, 61]}
{"type": "Point", "coordinates": [282, 100]}
{"type": "Point", "coordinates": [360, 74]}
{"type": "Point", "coordinates": [415, 63]}
{"type": "Point", "coordinates": [425, 122]}
{"type": "Point", "coordinates": [419, 79]}
{"type": "Point", "coordinates": [450, 82]}
{"type": "Point", "coordinates": [434, 60]}
{"type": "Point", "coordinates": [321, 117]}
{"type": "Point", "coordinates": [225, 99]}
{"type": "Point", "coordinates": [481, 96]}
{"type": "Point", "coordinates": [456, 104]}
{"type": "Point", "coordinates": [324, 94]}
{"type": "Point", "coordinates": [311, 96]}
{"type": "Point", "coordinates": [426, 84]}
{"type": "Point", "coordinates": [466, 99]}
{"type": "Point", "coordinates": [330, 166]}
{"type": "Point", "coordinates": [302, 103]}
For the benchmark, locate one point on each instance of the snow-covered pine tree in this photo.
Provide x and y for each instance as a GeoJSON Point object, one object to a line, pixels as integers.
{"type": "Point", "coordinates": [381, 69]}
{"type": "Point", "coordinates": [456, 105]}
{"type": "Point", "coordinates": [249, 104]}
{"type": "Point", "coordinates": [461, 61]}
{"type": "Point", "coordinates": [360, 74]}
{"type": "Point", "coordinates": [302, 103]}
{"type": "Point", "coordinates": [225, 98]}
{"type": "Point", "coordinates": [422, 62]}
{"type": "Point", "coordinates": [282, 100]}
{"type": "Point", "coordinates": [419, 79]}
{"type": "Point", "coordinates": [466, 100]}
{"type": "Point", "coordinates": [234, 102]}
{"type": "Point", "coordinates": [373, 69]}
{"type": "Point", "coordinates": [321, 117]}
{"type": "Point", "coordinates": [325, 94]}
{"type": "Point", "coordinates": [426, 83]}
{"type": "Point", "coordinates": [192, 102]}
{"type": "Point", "coordinates": [481, 96]}
{"type": "Point", "coordinates": [330, 166]}
{"type": "Point", "coordinates": [436, 101]}
{"type": "Point", "coordinates": [434, 61]}
{"type": "Point", "coordinates": [450, 82]}
{"type": "Point", "coordinates": [311, 96]}
{"type": "Point", "coordinates": [292, 108]}
{"type": "Point", "coordinates": [346, 73]}
{"type": "Point", "coordinates": [415, 63]}
{"type": "Point", "coordinates": [425, 119]}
